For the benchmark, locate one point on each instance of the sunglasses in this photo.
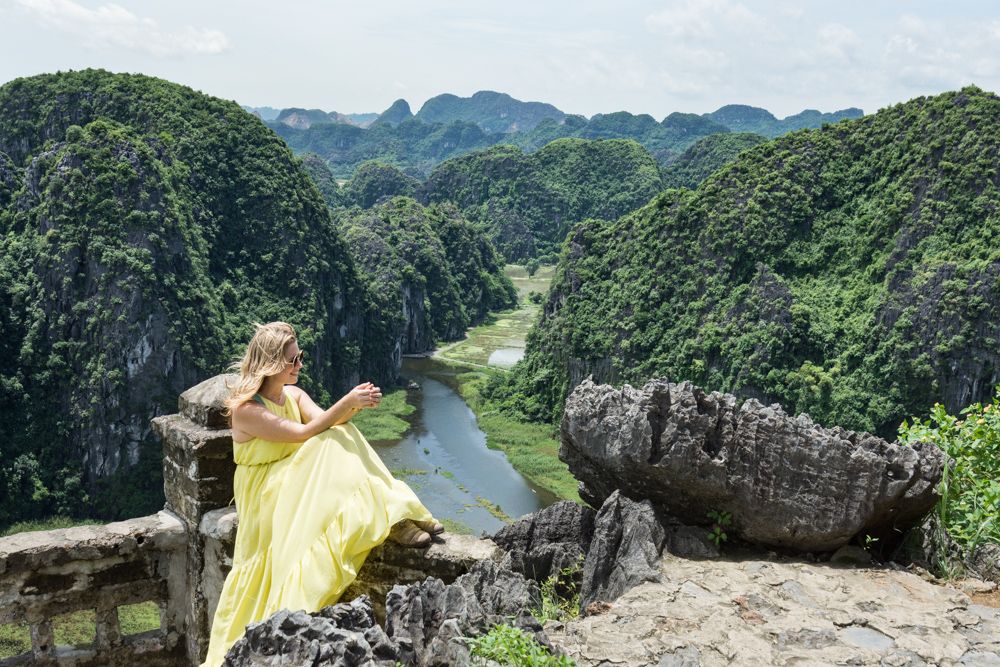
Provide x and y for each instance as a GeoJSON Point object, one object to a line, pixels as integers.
{"type": "Point", "coordinates": [297, 359]}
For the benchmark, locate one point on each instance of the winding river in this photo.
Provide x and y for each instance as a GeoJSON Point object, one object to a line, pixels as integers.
{"type": "Point", "coordinates": [444, 458]}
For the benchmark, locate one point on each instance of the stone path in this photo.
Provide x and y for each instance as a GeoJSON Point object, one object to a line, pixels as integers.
{"type": "Point", "coordinates": [783, 612]}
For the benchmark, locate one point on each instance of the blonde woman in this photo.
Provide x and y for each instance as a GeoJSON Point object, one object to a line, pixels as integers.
{"type": "Point", "coordinates": [312, 496]}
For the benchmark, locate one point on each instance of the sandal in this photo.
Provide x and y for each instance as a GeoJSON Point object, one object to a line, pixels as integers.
{"type": "Point", "coordinates": [433, 527]}
{"type": "Point", "coordinates": [409, 534]}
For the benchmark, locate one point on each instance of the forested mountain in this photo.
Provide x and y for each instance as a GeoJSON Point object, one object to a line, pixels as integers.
{"type": "Point", "coordinates": [143, 228]}
{"type": "Point", "coordinates": [413, 146]}
{"type": "Point", "coordinates": [397, 112]}
{"type": "Point", "coordinates": [527, 202]}
{"type": "Point", "coordinates": [429, 274]}
{"type": "Point", "coordinates": [851, 272]}
{"type": "Point", "coordinates": [706, 156]}
{"type": "Point", "coordinates": [493, 112]}
{"type": "Point", "coordinates": [743, 118]}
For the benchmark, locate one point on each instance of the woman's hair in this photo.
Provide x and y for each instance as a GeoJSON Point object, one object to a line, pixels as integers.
{"type": "Point", "coordinates": [265, 356]}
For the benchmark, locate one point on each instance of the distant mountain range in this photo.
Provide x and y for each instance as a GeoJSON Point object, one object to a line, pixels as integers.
{"type": "Point", "coordinates": [498, 112]}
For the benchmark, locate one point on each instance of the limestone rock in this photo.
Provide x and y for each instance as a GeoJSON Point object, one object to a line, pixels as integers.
{"type": "Point", "coordinates": [787, 481]}
{"type": "Point", "coordinates": [428, 619]}
{"type": "Point", "coordinates": [340, 635]}
{"type": "Point", "coordinates": [628, 541]}
{"type": "Point", "coordinates": [541, 544]}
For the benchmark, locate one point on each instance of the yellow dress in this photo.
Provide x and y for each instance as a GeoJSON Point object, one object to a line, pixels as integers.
{"type": "Point", "coordinates": [309, 514]}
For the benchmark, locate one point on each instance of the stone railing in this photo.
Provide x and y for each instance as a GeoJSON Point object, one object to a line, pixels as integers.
{"type": "Point", "coordinates": [177, 558]}
{"type": "Point", "coordinates": [44, 575]}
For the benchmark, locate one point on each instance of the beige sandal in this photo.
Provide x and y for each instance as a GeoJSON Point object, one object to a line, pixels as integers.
{"type": "Point", "coordinates": [409, 534]}
{"type": "Point", "coordinates": [433, 527]}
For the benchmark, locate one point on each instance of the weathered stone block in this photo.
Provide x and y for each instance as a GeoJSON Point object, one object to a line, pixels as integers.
{"type": "Point", "coordinates": [203, 403]}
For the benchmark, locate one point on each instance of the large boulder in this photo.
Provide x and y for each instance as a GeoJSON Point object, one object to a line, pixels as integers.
{"type": "Point", "coordinates": [787, 481]}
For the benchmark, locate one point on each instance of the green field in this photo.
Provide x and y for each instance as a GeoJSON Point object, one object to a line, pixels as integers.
{"type": "Point", "coordinates": [506, 329]}
{"type": "Point", "coordinates": [78, 629]}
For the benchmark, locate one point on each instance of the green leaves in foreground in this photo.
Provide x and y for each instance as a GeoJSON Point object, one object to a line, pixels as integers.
{"type": "Point", "coordinates": [970, 489]}
{"type": "Point", "coordinates": [509, 646]}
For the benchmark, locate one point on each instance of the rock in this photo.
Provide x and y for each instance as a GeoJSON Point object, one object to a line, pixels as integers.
{"type": "Point", "coordinates": [428, 620]}
{"type": "Point", "coordinates": [787, 481]}
{"type": "Point", "coordinates": [628, 541]}
{"type": "Point", "coordinates": [342, 635]}
{"type": "Point", "coordinates": [690, 541]}
{"type": "Point", "coordinates": [541, 544]}
{"type": "Point", "coordinates": [850, 554]}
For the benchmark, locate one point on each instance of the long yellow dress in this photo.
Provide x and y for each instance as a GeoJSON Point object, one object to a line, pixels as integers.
{"type": "Point", "coordinates": [309, 514]}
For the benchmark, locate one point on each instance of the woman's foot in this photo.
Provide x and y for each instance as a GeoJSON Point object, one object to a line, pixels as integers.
{"type": "Point", "coordinates": [409, 534]}
{"type": "Point", "coordinates": [433, 527]}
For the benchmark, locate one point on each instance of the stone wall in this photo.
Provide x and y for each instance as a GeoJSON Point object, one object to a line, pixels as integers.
{"type": "Point", "coordinates": [177, 558]}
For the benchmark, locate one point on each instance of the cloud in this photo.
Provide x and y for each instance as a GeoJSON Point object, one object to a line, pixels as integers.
{"type": "Point", "coordinates": [113, 26]}
{"type": "Point", "coordinates": [705, 19]}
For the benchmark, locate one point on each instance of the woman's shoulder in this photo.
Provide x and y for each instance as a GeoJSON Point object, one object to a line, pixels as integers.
{"type": "Point", "coordinates": [294, 391]}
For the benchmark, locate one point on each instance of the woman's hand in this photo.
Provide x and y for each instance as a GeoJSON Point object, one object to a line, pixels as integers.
{"type": "Point", "coordinates": [365, 395]}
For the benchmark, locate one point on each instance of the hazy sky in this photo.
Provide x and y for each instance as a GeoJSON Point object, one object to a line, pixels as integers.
{"type": "Point", "coordinates": [583, 56]}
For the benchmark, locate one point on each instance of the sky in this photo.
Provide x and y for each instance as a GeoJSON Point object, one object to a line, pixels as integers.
{"type": "Point", "coordinates": [583, 57]}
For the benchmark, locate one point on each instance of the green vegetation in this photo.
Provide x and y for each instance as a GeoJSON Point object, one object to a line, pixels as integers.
{"type": "Point", "coordinates": [507, 645]}
{"type": "Point", "coordinates": [707, 156]}
{"type": "Point", "coordinates": [969, 509]}
{"type": "Point", "coordinates": [720, 521]}
{"type": "Point", "coordinates": [561, 594]}
{"type": "Point", "coordinates": [456, 527]}
{"type": "Point", "coordinates": [51, 523]}
{"type": "Point", "coordinates": [849, 272]}
{"type": "Point", "coordinates": [527, 203]}
{"type": "Point", "coordinates": [388, 421]}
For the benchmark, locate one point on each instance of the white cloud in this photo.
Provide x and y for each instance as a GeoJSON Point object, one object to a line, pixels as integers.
{"type": "Point", "coordinates": [705, 19]}
{"type": "Point", "coordinates": [113, 26]}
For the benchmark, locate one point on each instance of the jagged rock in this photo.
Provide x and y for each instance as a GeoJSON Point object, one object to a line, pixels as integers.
{"type": "Point", "coordinates": [427, 620]}
{"type": "Point", "coordinates": [787, 481]}
{"type": "Point", "coordinates": [341, 635]}
{"type": "Point", "coordinates": [628, 541]}
{"type": "Point", "coordinates": [541, 544]}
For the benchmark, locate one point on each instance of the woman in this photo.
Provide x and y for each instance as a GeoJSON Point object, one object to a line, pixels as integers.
{"type": "Point", "coordinates": [312, 496]}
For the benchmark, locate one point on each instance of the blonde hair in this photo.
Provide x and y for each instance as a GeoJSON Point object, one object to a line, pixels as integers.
{"type": "Point", "coordinates": [265, 356]}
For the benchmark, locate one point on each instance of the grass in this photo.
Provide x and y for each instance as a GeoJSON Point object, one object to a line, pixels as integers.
{"type": "Point", "coordinates": [51, 523]}
{"type": "Point", "coordinates": [507, 645]}
{"type": "Point", "coordinates": [79, 628]}
{"type": "Point", "coordinates": [387, 422]}
{"type": "Point", "coordinates": [493, 509]}
{"type": "Point", "coordinates": [456, 527]}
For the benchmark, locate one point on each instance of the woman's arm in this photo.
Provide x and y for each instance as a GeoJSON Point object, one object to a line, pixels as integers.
{"type": "Point", "coordinates": [309, 410]}
{"type": "Point", "coordinates": [256, 420]}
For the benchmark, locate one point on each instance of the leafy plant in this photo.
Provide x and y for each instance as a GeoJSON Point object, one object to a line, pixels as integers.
{"type": "Point", "coordinates": [720, 520]}
{"type": "Point", "coordinates": [508, 645]}
{"type": "Point", "coordinates": [969, 509]}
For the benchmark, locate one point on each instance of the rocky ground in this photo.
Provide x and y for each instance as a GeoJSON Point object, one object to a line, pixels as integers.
{"type": "Point", "coordinates": [757, 610]}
